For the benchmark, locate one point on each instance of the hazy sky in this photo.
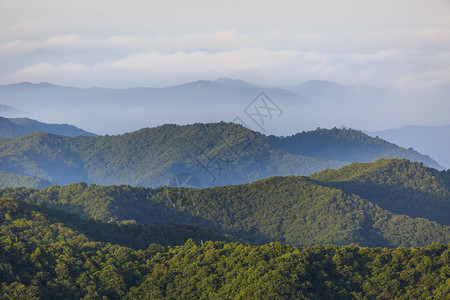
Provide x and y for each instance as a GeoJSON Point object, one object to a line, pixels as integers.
{"type": "Point", "coordinates": [401, 44]}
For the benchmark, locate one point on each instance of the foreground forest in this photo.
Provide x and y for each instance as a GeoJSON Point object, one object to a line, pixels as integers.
{"type": "Point", "coordinates": [41, 258]}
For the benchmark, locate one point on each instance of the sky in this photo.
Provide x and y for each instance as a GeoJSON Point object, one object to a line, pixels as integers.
{"type": "Point", "coordinates": [399, 44]}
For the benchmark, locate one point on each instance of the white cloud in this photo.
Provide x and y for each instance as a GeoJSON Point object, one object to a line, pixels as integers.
{"type": "Point", "coordinates": [383, 56]}
{"type": "Point", "coordinates": [256, 58]}
{"type": "Point", "coordinates": [108, 43]}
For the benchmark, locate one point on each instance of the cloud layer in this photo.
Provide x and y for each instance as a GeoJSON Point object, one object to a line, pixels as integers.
{"type": "Point", "coordinates": [402, 45]}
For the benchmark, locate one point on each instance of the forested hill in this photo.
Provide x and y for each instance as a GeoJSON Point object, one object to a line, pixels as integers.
{"type": "Point", "coordinates": [12, 127]}
{"type": "Point", "coordinates": [347, 145]}
{"type": "Point", "coordinates": [46, 258]}
{"type": "Point", "coordinates": [215, 154]}
{"type": "Point", "coordinates": [296, 210]}
{"type": "Point", "coordinates": [397, 185]}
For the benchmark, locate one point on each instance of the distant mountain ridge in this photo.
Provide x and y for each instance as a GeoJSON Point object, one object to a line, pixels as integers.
{"type": "Point", "coordinates": [127, 109]}
{"type": "Point", "coordinates": [8, 111]}
{"type": "Point", "coordinates": [13, 127]}
{"type": "Point", "coordinates": [432, 140]}
{"type": "Point", "coordinates": [215, 153]}
{"type": "Point", "coordinates": [311, 104]}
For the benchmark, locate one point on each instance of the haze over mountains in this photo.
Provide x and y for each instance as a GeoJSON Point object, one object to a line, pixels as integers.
{"type": "Point", "coordinates": [8, 111]}
{"type": "Point", "coordinates": [305, 106]}
{"type": "Point", "coordinates": [432, 140]}
{"type": "Point", "coordinates": [107, 111]}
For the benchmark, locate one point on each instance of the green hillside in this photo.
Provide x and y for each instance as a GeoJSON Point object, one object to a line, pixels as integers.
{"type": "Point", "coordinates": [396, 185]}
{"type": "Point", "coordinates": [44, 259]}
{"type": "Point", "coordinates": [216, 154]}
{"type": "Point", "coordinates": [296, 210]}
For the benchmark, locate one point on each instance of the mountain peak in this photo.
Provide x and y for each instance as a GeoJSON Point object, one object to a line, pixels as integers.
{"type": "Point", "coordinates": [233, 82]}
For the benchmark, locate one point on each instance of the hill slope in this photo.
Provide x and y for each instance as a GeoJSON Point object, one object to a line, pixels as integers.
{"type": "Point", "coordinates": [295, 210]}
{"type": "Point", "coordinates": [396, 185]}
{"type": "Point", "coordinates": [13, 127]}
{"type": "Point", "coordinates": [215, 153]}
{"type": "Point", "coordinates": [44, 259]}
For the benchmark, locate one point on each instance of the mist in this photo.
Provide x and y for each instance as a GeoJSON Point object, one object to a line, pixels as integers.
{"type": "Point", "coordinates": [302, 107]}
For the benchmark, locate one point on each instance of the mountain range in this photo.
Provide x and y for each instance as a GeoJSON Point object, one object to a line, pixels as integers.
{"type": "Point", "coordinates": [112, 111]}
{"type": "Point", "coordinates": [212, 154]}
{"type": "Point", "coordinates": [103, 110]}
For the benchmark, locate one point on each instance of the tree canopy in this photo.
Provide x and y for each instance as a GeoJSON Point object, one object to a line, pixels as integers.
{"type": "Point", "coordinates": [44, 259]}
{"type": "Point", "coordinates": [302, 211]}
{"type": "Point", "coordinates": [216, 153]}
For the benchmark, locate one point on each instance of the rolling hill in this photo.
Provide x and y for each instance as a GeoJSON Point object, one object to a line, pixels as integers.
{"type": "Point", "coordinates": [396, 185]}
{"type": "Point", "coordinates": [215, 154]}
{"type": "Point", "coordinates": [302, 211]}
{"type": "Point", "coordinates": [12, 127]}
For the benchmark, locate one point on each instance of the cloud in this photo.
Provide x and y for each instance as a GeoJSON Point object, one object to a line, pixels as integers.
{"type": "Point", "coordinates": [20, 29]}
{"type": "Point", "coordinates": [50, 73]}
{"type": "Point", "coordinates": [423, 78]}
{"type": "Point", "coordinates": [383, 56]}
{"type": "Point", "coordinates": [403, 58]}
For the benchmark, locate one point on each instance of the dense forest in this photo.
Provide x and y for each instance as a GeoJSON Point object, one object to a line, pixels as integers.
{"type": "Point", "coordinates": [43, 258]}
{"type": "Point", "coordinates": [396, 185]}
{"type": "Point", "coordinates": [216, 153]}
{"type": "Point", "coordinates": [303, 211]}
